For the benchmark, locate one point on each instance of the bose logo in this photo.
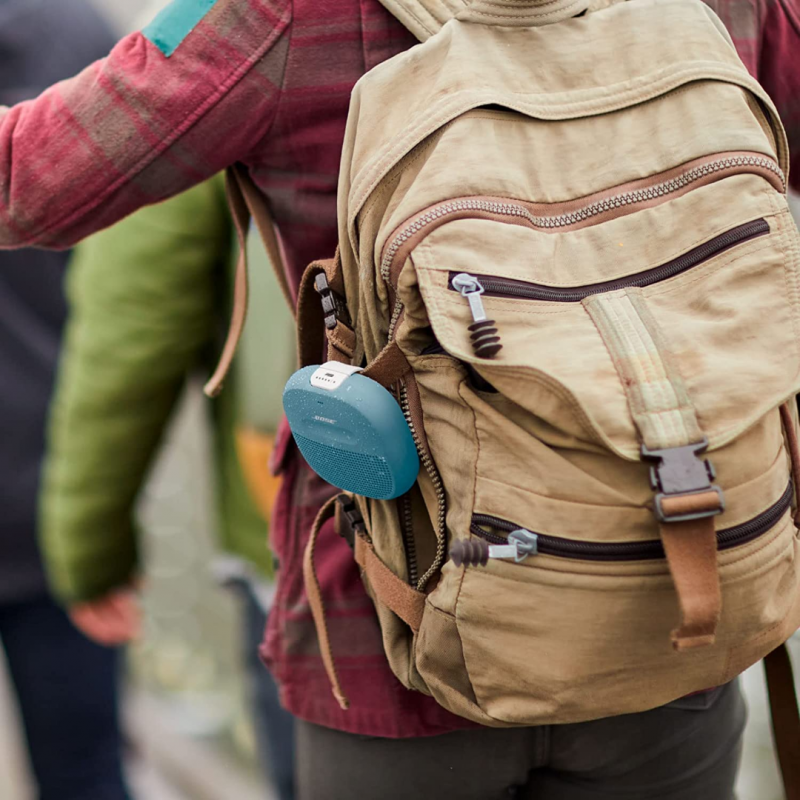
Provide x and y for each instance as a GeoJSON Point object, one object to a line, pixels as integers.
{"type": "Point", "coordinates": [324, 419]}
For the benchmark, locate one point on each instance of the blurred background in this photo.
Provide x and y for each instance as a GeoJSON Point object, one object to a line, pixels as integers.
{"type": "Point", "coordinates": [187, 719]}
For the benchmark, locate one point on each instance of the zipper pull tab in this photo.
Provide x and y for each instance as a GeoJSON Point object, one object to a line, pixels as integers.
{"type": "Point", "coordinates": [484, 338]}
{"type": "Point", "coordinates": [470, 287]}
{"type": "Point", "coordinates": [477, 552]}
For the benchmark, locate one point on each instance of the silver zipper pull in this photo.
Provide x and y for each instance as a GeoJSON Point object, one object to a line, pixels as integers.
{"type": "Point", "coordinates": [477, 552]}
{"type": "Point", "coordinates": [483, 334]}
{"type": "Point", "coordinates": [525, 542]}
{"type": "Point", "coordinates": [470, 287]}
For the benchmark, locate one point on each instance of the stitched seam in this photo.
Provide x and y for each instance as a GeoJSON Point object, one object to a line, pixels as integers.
{"type": "Point", "coordinates": [396, 173]}
{"type": "Point", "coordinates": [651, 366]}
{"type": "Point", "coordinates": [663, 426]}
{"type": "Point", "coordinates": [534, 15]}
{"type": "Point", "coordinates": [670, 365]}
{"type": "Point", "coordinates": [492, 4]}
{"type": "Point", "coordinates": [614, 362]}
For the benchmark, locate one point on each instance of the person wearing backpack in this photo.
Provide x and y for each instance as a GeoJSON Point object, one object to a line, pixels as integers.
{"type": "Point", "coordinates": [134, 334]}
{"type": "Point", "coordinates": [269, 85]}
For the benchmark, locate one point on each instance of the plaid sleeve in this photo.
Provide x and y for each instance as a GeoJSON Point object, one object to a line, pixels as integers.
{"type": "Point", "coordinates": [779, 71]}
{"type": "Point", "coordinates": [168, 108]}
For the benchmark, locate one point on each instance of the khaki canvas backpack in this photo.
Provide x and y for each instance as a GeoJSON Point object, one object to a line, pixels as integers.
{"type": "Point", "coordinates": [565, 246]}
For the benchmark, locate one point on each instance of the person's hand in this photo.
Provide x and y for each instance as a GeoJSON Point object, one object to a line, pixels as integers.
{"type": "Point", "coordinates": [111, 620]}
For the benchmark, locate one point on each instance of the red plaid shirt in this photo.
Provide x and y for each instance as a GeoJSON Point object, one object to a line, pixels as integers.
{"type": "Point", "coordinates": [267, 82]}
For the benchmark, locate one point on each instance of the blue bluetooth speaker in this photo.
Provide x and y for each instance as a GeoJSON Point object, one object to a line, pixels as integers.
{"type": "Point", "coordinates": [351, 431]}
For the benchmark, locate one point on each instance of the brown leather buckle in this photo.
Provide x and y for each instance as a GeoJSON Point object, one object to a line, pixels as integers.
{"type": "Point", "coordinates": [333, 305]}
{"type": "Point", "coordinates": [680, 472]}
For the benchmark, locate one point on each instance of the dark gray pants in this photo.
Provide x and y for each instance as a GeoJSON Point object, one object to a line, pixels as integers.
{"type": "Point", "coordinates": [688, 750]}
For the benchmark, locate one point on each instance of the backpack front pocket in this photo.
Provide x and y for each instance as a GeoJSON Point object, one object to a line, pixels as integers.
{"type": "Point", "coordinates": [635, 329]}
{"type": "Point", "coordinates": [503, 539]}
{"type": "Point", "coordinates": [557, 639]}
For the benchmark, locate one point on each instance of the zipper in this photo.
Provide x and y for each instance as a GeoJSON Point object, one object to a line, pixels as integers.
{"type": "Point", "coordinates": [407, 528]}
{"type": "Point", "coordinates": [556, 216]}
{"type": "Point", "coordinates": [438, 486]}
{"type": "Point", "coordinates": [474, 286]}
{"type": "Point", "coordinates": [604, 551]}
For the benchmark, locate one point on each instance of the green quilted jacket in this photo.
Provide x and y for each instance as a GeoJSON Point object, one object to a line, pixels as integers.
{"type": "Point", "coordinates": [149, 302]}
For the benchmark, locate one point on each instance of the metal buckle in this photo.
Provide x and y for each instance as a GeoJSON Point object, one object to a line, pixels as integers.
{"type": "Point", "coordinates": [333, 306]}
{"type": "Point", "coordinates": [680, 471]}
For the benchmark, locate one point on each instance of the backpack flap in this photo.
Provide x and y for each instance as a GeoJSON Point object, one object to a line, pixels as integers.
{"type": "Point", "coordinates": [672, 352]}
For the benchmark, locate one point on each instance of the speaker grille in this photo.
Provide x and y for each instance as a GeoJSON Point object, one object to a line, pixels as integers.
{"type": "Point", "coordinates": [355, 472]}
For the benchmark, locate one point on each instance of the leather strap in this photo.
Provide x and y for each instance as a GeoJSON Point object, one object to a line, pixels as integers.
{"type": "Point", "coordinates": [790, 432]}
{"type": "Point", "coordinates": [691, 550]}
{"type": "Point", "coordinates": [311, 327]}
{"type": "Point", "coordinates": [246, 201]}
{"type": "Point", "coordinates": [388, 366]}
{"type": "Point", "coordinates": [390, 590]}
{"type": "Point", "coordinates": [314, 594]}
{"type": "Point", "coordinates": [393, 592]}
{"type": "Point", "coordinates": [258, 207]}
{"type": "Point", "coordinates": [785, 718]}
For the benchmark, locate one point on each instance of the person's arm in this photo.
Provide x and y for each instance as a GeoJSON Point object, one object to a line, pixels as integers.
{"type": "Point", "coordinates": [165, 110]}
{"type": "Point", "coordinates": [143, 308]}
{"type": "Point", "coordinates": [779, 71]}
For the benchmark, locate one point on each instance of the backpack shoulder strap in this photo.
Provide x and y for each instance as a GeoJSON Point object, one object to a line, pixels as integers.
{"type": "Point", "coordinates": [245, 201]}
{"type": "Point", "coordinates": [424, 18]}
{"type": "Point", "coordinates": [259, 210]}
